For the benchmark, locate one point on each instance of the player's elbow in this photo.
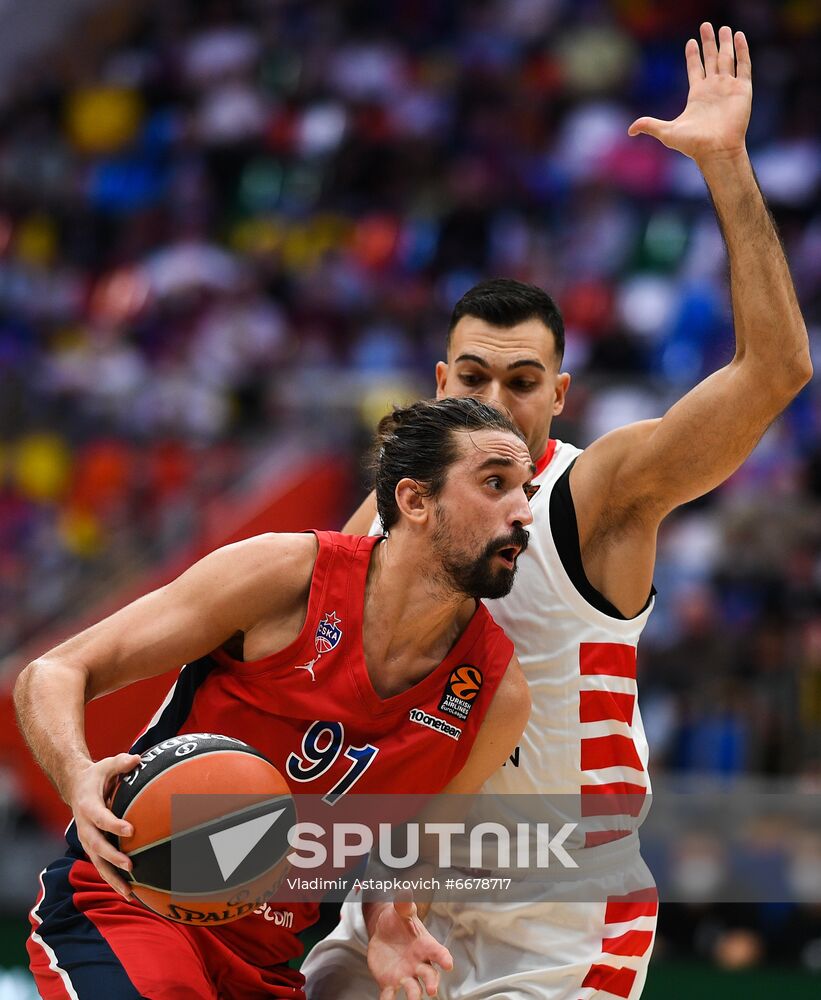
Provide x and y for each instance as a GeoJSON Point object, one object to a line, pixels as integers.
{"type": "Point", "coordinates": [22, 695]}
{"type": "Point", "coordinates": [44, 678]}
{"type": "Point", "coordinates": [793, 374]}
{"type": "Point", "coordinates": [803, 372]}
{"type": "Point", "coordinates": [778, 382]}
{"type": "Point", "coordinates": [20, 690]}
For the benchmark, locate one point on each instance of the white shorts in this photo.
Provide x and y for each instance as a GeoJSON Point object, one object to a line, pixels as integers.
{"type": "Point", "coordinates": [517, 951]}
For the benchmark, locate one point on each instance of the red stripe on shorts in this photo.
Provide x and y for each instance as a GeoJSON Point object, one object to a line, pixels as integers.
{"type": "Point", "coordinates": [631, 943]}
{"type": "Point", "coordinates": [595, 838]}
{"type": "Point", "coordinates": [641, 903]}
{"type": "Point", "coordinates": [619, 982]}
{"type": "Point", "coordinates": [616, 798]}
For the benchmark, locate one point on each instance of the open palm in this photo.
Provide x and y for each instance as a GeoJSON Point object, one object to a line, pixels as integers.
{"type": "Point", "coordinates": [402, 953]}
{"type": "Point", "coordinates": [714, 122]}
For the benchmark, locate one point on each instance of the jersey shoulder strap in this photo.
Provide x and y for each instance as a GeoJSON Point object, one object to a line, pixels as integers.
{"type": "Point", "coordinates": [565, 530]}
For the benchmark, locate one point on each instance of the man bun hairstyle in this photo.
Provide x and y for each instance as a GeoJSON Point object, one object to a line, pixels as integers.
{"type": "Point", "coordinates": [419, 442]}
{"type": "Point", "coordinates": [504, 302]}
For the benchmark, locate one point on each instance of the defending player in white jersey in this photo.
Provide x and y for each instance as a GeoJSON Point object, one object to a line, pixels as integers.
{"type": "Point", "coordinates": [585, 588]}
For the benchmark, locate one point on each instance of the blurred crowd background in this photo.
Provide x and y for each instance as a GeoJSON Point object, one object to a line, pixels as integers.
{"type": "Point", "coordinates": [224, 224]}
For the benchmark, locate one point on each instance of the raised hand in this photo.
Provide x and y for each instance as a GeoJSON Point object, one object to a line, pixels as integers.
{"type": "Point", "coordinates": [713, 125]}
{"type": "Point", "coordinates": [402, 951]}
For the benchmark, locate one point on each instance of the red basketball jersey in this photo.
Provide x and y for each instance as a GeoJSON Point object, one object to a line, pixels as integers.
{"type": "Point", "coordinates": [317, 694]}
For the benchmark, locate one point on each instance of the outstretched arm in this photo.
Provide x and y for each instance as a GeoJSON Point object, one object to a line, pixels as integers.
{"type": "Point", "coordinates": [626, 482]}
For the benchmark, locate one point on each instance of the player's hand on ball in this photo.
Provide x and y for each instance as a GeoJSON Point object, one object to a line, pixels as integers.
{"type": "Point", "coordinates": [713, 125]}
{"type": "Point", "coordinates": [87, 798]}
{"type": "Point", "coordinates": [402, 952]}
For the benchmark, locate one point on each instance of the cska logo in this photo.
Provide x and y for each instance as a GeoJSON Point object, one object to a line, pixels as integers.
{"type": "Point", "coordinates": [327, 636]}
{"type": "Point", "coordinates": [328, 633]}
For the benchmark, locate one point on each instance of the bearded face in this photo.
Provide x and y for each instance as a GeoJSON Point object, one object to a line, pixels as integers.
{"type": "Point", "coordinates": [477, 571]}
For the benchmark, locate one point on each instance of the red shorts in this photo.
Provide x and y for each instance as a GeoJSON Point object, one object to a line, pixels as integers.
{"type": "Point", "coordinates": [87, 942]}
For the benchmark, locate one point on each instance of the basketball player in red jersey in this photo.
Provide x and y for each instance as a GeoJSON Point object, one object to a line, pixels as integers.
{"type": "Point", "coordinates": [289, 639]}
{"type": "Point", "coordinates": [584, 592]}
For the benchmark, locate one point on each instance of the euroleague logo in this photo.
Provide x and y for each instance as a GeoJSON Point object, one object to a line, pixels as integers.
{"type": "Point", "coordinates": [464, 683]}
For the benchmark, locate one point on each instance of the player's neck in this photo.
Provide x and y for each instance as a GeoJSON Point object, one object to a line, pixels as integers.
{"type": "Point", "coordinates": [410, 620]}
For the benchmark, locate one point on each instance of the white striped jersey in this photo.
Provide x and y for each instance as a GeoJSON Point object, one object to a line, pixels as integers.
{"type": "Point", "coordinates": [585, 737]}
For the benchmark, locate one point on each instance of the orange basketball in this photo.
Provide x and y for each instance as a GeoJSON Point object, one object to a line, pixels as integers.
{"type": "Point", "coordinates": [211, 817]}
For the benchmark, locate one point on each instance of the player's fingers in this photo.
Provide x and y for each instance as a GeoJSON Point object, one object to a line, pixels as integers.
{"type": "Point", "coordinates": [111, 770]}
{"type": "Point", "coordinates": [95, 843]}
{"type": "Point", "coordinates": [744, 70]}
{"type": "Point", "coordinates": [655, 127]}
{"type": "Point", "coordinates": [123, 762]}
{"type": "Point", "coordinates": [104, 819]}
{"type": "Point", "coordinates": [115, 857]}
{"type": "Point", "coordinates": [389, 993]}
{"type": "Point", "coordinates": [708, 47]}
{"type": "Point", "coordinates": [92, 833]}
{"type": "Point", "coordinates": [429, 977]}
{"type": "Point", "coordinates": [430, 952]}
{"type": "Point", "coordinates": [443, 958]}
{"type": "Point", "coordinates": [413, 991]}
{"type": "Point", "coordinates": [405, 908]}
{"type": "Point", "coordinates": [726, 55]}
{"type": "Point", "coordinates": [120, 763]}
{"type": "Point", "coordinates": [115, 880]}
{"type": "Point", "coordinates": [695, 67]}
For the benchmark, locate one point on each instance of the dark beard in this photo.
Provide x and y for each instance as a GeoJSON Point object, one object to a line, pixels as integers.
{"type": "Point", "coordinates": [478, 577]}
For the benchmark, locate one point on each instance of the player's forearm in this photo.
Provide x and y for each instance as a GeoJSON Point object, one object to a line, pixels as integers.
{"type": "Point", "coordinates": [770, 330]}
{"type": "Point", "coordinates": [49, 699]}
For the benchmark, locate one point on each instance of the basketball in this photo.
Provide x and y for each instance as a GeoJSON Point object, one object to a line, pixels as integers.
{"type": "Point", "coordinates": [211, 817]}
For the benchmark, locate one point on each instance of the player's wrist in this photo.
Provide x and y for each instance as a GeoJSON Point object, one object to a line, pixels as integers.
{"type": "Point", "coordinates": [71, 778]}
{"type": "Point", "coordinates": [371, 912]}
{"type": "Point", "coordinates": [724, 165]}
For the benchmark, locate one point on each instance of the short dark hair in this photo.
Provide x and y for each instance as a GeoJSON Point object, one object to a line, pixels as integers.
{"type": "Point", "coordinates": [418, 442]}
{"type": "Point", "coordinates": [505, 302]}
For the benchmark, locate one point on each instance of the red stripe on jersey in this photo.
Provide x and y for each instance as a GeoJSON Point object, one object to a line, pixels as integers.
{"type": "Point", "coordinates": [641, 903]}
{"type": "Point", "coordinates": [609, 751]}
{"type": "Point", "coordinates": [632, 943]}
{"type": "Point", "coordinates": [601, 706]}
{"type": "Point", "coordinates": [546, 458]}
{"type": "Point", "coordinates": [616, 798]}
{"type": "Point", "coordinates": [619, 982]}
{"type": "Point", "coordinates": [595, 838]}
{"type": "Point", "coordinates": [615, 659]}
